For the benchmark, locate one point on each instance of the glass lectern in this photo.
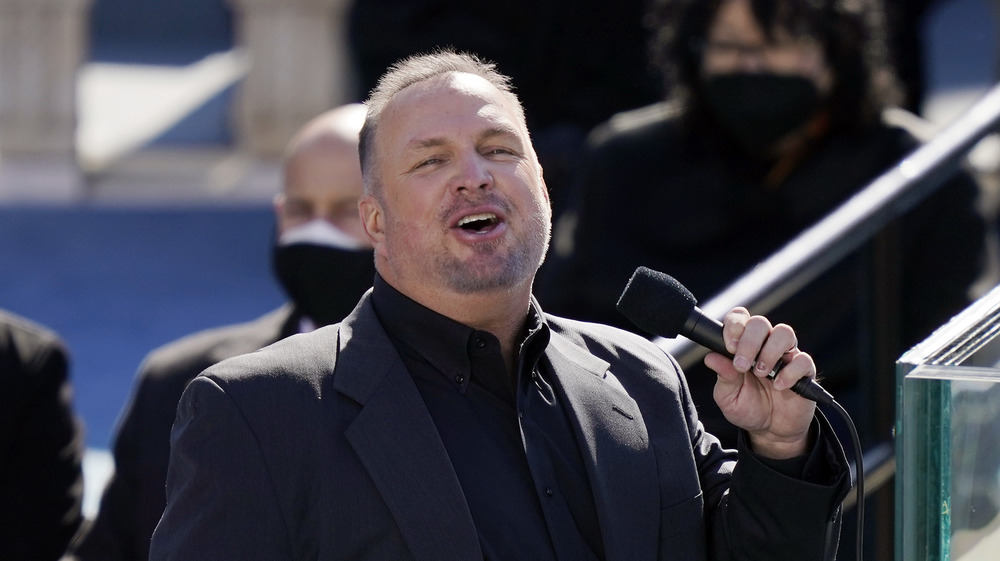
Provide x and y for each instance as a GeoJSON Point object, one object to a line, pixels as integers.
{"type": "Point", "coordinates": [948, 440]}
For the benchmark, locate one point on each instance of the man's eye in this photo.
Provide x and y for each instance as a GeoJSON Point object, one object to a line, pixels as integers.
{"type": "Point", "coordinates": [297, 211]}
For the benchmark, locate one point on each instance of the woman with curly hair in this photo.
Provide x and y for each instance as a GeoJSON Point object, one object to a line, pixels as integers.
{"type": "Point", "coordinates": [778, 112]}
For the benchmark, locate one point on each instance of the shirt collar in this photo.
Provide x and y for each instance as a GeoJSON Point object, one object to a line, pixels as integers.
{"type": "Point", "coordinates": [442, 341]}
{"type": "Point", "coordinates": [536, 337]}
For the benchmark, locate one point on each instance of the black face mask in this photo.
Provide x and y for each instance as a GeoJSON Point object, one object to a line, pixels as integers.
{"type": "Point", "coordinates": [757, 109]}
{"type": "Point", "coordinates": [324, 282]}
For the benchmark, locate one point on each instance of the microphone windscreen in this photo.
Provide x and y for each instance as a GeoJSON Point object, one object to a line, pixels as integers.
{"type": "Point", "coordinates": [656, 302]}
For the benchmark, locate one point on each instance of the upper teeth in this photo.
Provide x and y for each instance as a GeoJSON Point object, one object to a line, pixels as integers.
{"type": "Point", "coordinates": [476, 217]}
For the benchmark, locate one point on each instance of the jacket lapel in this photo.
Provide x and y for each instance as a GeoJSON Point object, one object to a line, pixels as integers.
{"type": "Point", "coordinates": [396, 440]}
{"type": "Point", "coordinates": [615, 446]}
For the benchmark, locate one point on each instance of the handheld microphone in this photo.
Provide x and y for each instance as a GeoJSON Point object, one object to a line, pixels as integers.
{"type": "Point", "coordinates": [659, 304]}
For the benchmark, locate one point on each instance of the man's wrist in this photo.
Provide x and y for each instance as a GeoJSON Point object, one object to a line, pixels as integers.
{"type": "Point", "coordinates": [767, 446]}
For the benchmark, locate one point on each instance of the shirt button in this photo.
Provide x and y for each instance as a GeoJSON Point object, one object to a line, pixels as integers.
{"type": "Point", "coordinates": [548, 491]}
{"type": "Point", "coordinates": [459, 379]}
{"type": "Point", "coordinates": [480, 342]}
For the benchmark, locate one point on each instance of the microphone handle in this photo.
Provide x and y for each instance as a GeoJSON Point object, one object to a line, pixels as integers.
{"type": "Point", "coordinates": [707, 332]}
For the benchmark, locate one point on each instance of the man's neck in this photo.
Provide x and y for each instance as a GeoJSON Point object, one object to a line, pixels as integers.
{"type": "Point", "coordinates": [502, 312]}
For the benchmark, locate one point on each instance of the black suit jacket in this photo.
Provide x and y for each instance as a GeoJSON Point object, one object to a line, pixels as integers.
{"type": "Point", "coordinates": [320, 447]}
{"type": "Point", "coordinates": [41, 444]}
{"type": "Point", "coordinates": [134, 497]}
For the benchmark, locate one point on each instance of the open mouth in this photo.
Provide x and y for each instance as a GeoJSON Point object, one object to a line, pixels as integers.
{"type": "Point", "coordinates": [479, 222]}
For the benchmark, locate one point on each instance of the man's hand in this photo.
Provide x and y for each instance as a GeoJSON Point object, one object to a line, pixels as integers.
{"type": "Point", "coordinates": [777, 419]}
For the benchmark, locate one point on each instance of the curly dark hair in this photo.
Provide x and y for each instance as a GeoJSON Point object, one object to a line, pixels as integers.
{"type": "Point", "coordinates": [852, 33]}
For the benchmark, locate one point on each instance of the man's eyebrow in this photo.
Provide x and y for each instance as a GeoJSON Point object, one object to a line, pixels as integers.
{"type": "Point", "coordinates": [491, 132]}
{"type": "Point", "coordinates": [425, 143]}
{"type": "Point", "coordinates": [499, 130]}
{"type": "Point", "coordinates": [297, 200]}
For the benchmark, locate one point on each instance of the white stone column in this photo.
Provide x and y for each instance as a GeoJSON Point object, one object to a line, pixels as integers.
{"type": "Point", "coordinates": [299, 67]}
{"type": "Point", "coordinates": [42, 45]}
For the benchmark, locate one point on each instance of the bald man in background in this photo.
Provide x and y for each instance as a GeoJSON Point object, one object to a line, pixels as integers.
{"type": "Point", "coordinates": [324, 262]}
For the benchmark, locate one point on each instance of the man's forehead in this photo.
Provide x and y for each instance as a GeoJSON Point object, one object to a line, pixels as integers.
{"type": "Point", "coordinates": [431, 91]}
{"type": "Point", "coordinates": [431, 111]}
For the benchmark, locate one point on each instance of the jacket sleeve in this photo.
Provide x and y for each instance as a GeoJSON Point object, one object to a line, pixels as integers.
{"type": "Point", "coordinates": [110, 537]}
{"type": "Point", "coordinates": [759, 509]}
{"type": "Point", "coordinates": [132, 501]}
{"type": "Point", "coordinates": [769, 514]}
{"type": "Point", "coordinates": [749, 508]}
{"type": "Point", "coordinates": [221, 502]}
{"type": "Point", "coordinates": [41, 482]}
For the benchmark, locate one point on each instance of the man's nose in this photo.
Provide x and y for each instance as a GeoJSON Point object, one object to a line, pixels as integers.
{"type": "Point", "coordinates": [472, 173]}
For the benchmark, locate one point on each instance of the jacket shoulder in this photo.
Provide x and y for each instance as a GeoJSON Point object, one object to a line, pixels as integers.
{"type": "Point", "coordinates": [26, 345]}
{"type": "Point", "coordinates": [20, 332]}
{"type": "Point", "coordinates": [304, 361]}
{"type": "Point", "coordinates": [614, 345]}
{"type": "Point", "coordinates": [189, 355]}
{"type": "Point", "coordinates": [636, 125]}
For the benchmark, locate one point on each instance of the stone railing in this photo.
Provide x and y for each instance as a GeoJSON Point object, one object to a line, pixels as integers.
{"type": "Point", "coordinates": [42, 44]}
{"type": "Point", "coordinates": [298, 68]}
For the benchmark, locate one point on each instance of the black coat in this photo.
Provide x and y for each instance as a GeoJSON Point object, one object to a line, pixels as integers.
{"type": "Point", "coordinates": [41, 444]}
{"type": "Point", "coordinates": [320, 447]}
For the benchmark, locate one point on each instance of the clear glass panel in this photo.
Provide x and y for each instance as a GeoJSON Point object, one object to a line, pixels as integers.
{"type": "Point", "coordinates": [948, 441]}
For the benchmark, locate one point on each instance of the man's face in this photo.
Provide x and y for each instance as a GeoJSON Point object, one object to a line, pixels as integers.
{"type": "Point", "coordinates": [462, 206]}
{"type": "Point", "coordinates": [323, 182]}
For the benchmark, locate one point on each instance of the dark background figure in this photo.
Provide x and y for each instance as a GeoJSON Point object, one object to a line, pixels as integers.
{"type": "Point", "coordinates": [575, 62]}
{"type": "Point", "coordinates": [659, 183]}
{"type": "Point", "coordinates": [41, 444]}
{"type": "Point", "coordinates": [323, 261]}
{"type": "Point", "coordinates": [905, 20]}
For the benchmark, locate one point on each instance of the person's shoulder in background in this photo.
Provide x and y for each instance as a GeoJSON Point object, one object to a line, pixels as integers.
{"type": "Point", "coordinates": [41, 443]}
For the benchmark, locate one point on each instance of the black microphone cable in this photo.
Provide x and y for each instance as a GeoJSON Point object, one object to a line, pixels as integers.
{"type": "Point", "coordinates": [859, 488]}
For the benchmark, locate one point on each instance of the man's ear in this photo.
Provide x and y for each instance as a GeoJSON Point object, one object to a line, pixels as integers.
{"type": "Point", "coordinates": [278, 205]}
{"type": "Point", "coordinates": [545, 187]}
{"type": "Point", "coordinates": [372, 219]}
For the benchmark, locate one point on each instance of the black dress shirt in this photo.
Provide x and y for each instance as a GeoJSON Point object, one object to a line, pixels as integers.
{"type": "Point", "coordinates": [510, 440]}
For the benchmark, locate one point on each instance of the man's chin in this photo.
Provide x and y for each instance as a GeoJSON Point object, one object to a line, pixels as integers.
{"type": "Point", "coordinates": [482, 285]}
{"type": "Point", "coordinates": [472, 281]}
{"type": "Point", "coordinates": [494, 271]}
